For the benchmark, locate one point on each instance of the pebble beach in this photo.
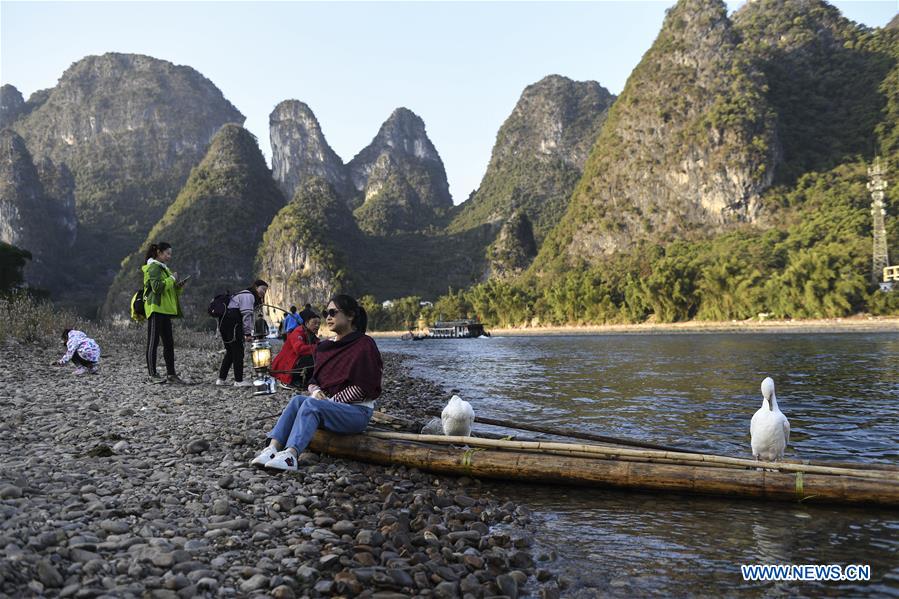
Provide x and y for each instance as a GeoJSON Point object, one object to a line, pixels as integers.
{"type": "Point", "coordinates": [114, 487]}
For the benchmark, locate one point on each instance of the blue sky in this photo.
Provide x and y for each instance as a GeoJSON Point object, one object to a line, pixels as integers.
{"type": "Point", "coordinates": [460, 65]}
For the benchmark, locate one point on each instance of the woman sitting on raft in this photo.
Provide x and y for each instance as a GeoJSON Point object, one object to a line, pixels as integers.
{"type": "Point", "coordinates": [345, 383]}
{"type": "Point", "coordinates": [292, 364]}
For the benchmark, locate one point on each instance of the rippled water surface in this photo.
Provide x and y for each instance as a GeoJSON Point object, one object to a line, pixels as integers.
{"type": "Point", "coordinates": [840, 392]}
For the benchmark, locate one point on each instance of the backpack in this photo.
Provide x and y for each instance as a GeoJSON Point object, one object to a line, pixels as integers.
{"type": "Point", "coordinates": [138, 302]}
{"type": "Point", "coordinates": [219, 305]}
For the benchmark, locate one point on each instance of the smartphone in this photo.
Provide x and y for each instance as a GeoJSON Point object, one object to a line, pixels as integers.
{"type": "Point", "coordinates": [184, 280]}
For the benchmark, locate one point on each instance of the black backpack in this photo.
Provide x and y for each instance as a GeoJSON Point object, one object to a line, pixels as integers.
{"type": "Point", "coordinates": [219, 305]}
{"type": "Point", "coordinates": [138, 301]}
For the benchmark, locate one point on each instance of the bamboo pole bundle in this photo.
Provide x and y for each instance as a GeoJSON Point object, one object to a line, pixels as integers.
{"type": "Point", "coordinates": [605, 439]}
{"type": "Point", "coordinates": [675, 457]}
{"type": "Point", "coordinates": [561, 432]}
{"type": "Point", "coordinates": [680, 478]}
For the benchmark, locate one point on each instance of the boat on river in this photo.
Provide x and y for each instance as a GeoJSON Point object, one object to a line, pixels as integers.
{"type": "Point", "coordinates": [457, 329]}
{"type": "Point", "coordinates": [607, 465]}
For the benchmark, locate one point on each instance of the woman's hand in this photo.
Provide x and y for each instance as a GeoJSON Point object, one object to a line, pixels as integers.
{"type": "Point", "coordinates": [319, 394]}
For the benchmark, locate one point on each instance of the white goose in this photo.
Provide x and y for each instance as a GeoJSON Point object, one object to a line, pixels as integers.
{"type": "Point", "coordinates": [770, 429]}
{"type": "Point", "coordinates": [457, 417]}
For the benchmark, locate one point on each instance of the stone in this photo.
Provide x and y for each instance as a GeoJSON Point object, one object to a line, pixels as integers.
{"type": "Point", "coordinates": [48, 574]}
{"type": "Point", "coordinates": [208, 584]}
{"type": "Point", "coordinates": [446, 590]}
{"type": "Point", "coordinates": [10, 492]}
{"type": "Point", "coordinates": [507, 585]}
{"type": "Point", "coordinates": [464, 500]}
{"type": "Point", "coordinates": [221, 507]}
{"type": "Point", "coordinates": [196, 446]}
{"type": "Point", "coordinates": [118, 527]}
{"type": "Point", "coordinates": [82, 555]}
{"type": "Point", "coordinates": [254, 583]}
{"type": "Point", "coordinates": [343, 527]}
{"type": "Point", "coordinates": [282, 591]}
{"type": "Point", "coordinates": [324, 587]}
{"type": "Point", "coordinates": [307, 573]}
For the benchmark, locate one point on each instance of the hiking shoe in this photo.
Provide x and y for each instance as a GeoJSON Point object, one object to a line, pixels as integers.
{"type": "Point", "coordinates": [243, 383]}
{"type": "Point", "coordinates": [174, 379]}
{"type": "Point", "coordinates": [283, 460]}
{"type": "Point", "coordinates": [156, 379]}
{"type": "Point", "coordinates": [220, 382]}
{"type": "Point", "coordinates": [94, 370]}
{"type": "Point", "coordinates": [264, 457]}
{"type": "Point", "coordinates": [81, 370]}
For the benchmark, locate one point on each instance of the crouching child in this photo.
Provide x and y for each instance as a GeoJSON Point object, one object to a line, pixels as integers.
{"type": "Point", "coordinates": [81, 350]}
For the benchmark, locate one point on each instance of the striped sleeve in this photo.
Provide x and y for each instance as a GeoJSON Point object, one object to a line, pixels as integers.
{"type": "Point", "coordinates": [351, 394]}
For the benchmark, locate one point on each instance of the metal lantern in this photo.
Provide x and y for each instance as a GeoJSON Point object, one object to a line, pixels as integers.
{"type": "Point", "coordinates": [261, 353]}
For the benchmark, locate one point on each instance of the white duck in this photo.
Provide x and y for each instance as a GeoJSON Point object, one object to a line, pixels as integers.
{"type": "Point", "coordinates": [457, 417]}
{"type": "Point", "coordinates": [770, 429]}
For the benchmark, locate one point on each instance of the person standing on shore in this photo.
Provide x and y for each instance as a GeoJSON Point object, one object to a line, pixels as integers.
{"type": "Point", "coordinates": [345, 383]}
{"type": "Point", "coordinates": [81, 350]}
{"type": "Point", "coordinates": [161, 304]}
{"type": "Point", "coordinates": [296, 355]}
{"type": "Point", "coordinates": [290, 322]}
{"type": "Point", "coordinates": [236, 327]}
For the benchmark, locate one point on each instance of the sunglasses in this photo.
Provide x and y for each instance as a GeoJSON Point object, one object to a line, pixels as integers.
{"type": "Point", "coordinates": [332, 312]}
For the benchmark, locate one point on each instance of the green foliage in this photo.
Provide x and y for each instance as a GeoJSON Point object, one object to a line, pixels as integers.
{"type": "Point", "coordinates": [224, 209]}
{"type": "Point", "coordinates": [814, 263]}
{"type": "Point", "coordinates": [694, 109]}
{"type": "Point", "coordinates": [401, 314]}
{"type": "Point", "coordinates": [817, 283]}
{"type": "Point", "coordinates": [452, 306]}
{"type": "Point", "coordinates": [826, 80]}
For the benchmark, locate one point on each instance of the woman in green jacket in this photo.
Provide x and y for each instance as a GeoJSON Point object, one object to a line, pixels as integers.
{"type": "Point", "coordinates": [161, 304]}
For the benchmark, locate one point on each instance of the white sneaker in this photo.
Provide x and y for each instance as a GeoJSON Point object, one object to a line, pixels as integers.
{"type": "Point", "coordinates": [243, 383]}
{"type": "Point", "coordinates": [220, 382]}
{"type": "Point", "coordinates": [264, 456]}
{"type": "Point", "coordinates": [283, 460]}
{"type": "Point", "coordinates": [80, 370]}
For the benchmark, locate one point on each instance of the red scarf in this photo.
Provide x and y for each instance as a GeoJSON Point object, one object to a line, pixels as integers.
{"type": "Point", "coordinates": [354, 360]}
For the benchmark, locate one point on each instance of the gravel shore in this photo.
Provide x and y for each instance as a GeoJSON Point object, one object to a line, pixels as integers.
{"type": "Point", "coordinates": [111, 486]}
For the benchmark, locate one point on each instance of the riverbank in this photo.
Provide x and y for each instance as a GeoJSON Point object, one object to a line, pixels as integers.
{"type": "Point", "coordinates": [113, 486]}
{"type": "Point", "coordinates": [854, 324]}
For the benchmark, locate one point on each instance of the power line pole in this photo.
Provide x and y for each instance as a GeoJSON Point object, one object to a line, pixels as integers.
{"type": "Point", "coordinates": [877, 185]}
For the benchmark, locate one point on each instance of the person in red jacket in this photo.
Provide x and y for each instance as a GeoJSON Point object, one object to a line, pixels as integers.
{"type": "Point", "coordinates": [297, 351]}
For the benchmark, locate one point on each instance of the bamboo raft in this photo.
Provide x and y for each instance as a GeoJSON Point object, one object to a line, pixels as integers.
{"type": "Point", "coordinates": [617, 466]}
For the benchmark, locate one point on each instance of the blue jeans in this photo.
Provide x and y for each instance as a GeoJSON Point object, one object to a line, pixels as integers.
{"type": "Point", "coordinates": [303, 415]}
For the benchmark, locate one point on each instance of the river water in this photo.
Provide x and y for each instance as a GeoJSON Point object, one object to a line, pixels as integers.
{"type": "Point", "coordinates": [840, 392]}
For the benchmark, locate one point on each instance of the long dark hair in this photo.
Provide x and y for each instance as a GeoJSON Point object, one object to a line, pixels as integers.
{"type": "Point", "coordinates": [65, 335]}
{"type": "Point", "coordinates": [155, 248]}
{"type": "Point", "coordinates": [252, 289]}
{"type": "Point", "coordinates": [349, 306]}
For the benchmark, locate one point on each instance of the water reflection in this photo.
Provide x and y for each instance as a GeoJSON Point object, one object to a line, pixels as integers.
{"type": "Point", "coordinates": [839, 391]}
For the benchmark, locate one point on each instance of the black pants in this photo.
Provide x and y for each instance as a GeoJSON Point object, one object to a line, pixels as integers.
{"type": "Point", "coordinates": [231, 329]}
{"type": "Point", "coordinates": [301, 379]}
{"type": "Point", "coordinates": [159, 326]}
{"type": "Point", "coordinates": [79, 361]}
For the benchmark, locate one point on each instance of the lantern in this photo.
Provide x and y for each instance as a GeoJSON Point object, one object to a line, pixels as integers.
{"type": "Point", "coordinates": [261, 353]}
